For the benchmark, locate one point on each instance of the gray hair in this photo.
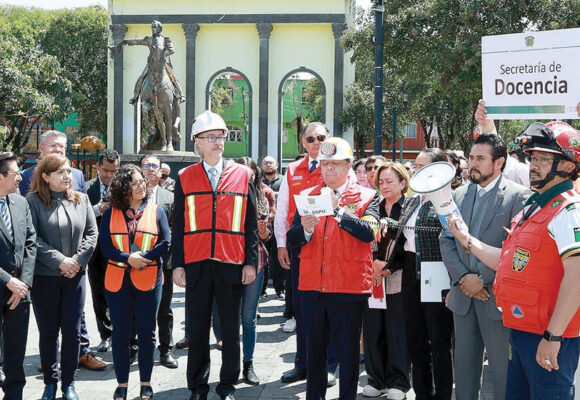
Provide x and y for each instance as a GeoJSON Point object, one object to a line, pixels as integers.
{"type": "Point", "coordinates": [317, 124]}
{"type": "Point", "coordinates": [49, 134]}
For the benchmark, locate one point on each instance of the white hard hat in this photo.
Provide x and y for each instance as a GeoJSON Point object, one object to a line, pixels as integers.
{"type": "Point", "coordinates": [207, 121]}
{"type": "Point", "coordinates": [335, 148]}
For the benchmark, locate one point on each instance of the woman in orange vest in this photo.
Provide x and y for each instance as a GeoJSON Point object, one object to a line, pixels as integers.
{"type": "Point", "coordinates": [134, 237]}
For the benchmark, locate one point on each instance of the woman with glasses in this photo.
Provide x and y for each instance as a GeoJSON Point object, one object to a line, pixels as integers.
{"type": "Point", "coordinates": [360, 172]}
{"type": "Point", "coordinates": [371, 165]}
{"type": "Point", "coordinates": [134, 237]}
{"type": "Point", "coordinates": [66, 238]}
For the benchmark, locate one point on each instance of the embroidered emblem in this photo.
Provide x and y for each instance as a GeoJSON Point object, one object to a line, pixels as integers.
{"type": "Point", "coordinates": [520, 259]}
{"type": "Point", "coordinates": [517, 312]}
{"type": "Point", "coordinates": [351, 207]}
{"type": "Point", "coordinates": [557, 203]}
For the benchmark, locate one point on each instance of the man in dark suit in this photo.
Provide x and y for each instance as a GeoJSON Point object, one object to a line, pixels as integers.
{"type": "Point", "coordinates": [97, 190]}
{"type": "Point", "coordinates": [215, 245]}
{"type": "Point", "coordinates": [18, 249]}
{"type": "Point", "coordinates": [151, 168]}
{"type": "Point", "coordinates": [54, 142]}
{"type": "Point", "coordinates": [487, 206]}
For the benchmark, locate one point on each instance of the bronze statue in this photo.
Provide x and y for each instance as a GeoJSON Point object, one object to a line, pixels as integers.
{"type": "Point", "coordinates": [157, 86]}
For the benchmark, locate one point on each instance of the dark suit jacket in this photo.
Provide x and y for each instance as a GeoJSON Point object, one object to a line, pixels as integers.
{"type": "Point", "coordinates": [164, 199]}
{"type": "Point", "coordinates": [232, 272]}
{"type": "Point", "coordinates": [507, 201]}
{"type": "Point", "coordinates": [18, 254]}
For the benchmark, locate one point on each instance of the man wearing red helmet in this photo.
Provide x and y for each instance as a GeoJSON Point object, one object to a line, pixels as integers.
{"type": "Point", "coordinates": [538, 273]}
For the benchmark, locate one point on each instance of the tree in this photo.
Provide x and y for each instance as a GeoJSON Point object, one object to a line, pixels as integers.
{"type": "Point", "coordinates": [78, 39]}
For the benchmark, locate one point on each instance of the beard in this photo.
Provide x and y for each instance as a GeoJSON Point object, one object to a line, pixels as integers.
{"type": "Point", "coordinates": [269, 173]}
{"type": "Point", "coordinates": [481, 178]}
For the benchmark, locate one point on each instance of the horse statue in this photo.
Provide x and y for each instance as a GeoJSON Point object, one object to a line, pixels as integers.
{"type": "Point", "coordinates": [157, 87]}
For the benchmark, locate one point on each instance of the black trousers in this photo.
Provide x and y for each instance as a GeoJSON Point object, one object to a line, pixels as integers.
{"type": "Point", "coordinates": [15, 332]}
{"type": "Point", "coordinates": [58, 305]}
{"type": "Point", "coordinates": [327, 317]}
{"type": "Point", "coordinates": [385, 343]}
{"type": "Point", "coordinates": [165, 314]}
{"type": "Point", "coordinates": [199, 298]}
{"type": "Point", "coordinates": [96, 272]}
{"type": "Point", "coordinates": [276, 272]}
{"type": "Point", "coordinates": [429, 330]}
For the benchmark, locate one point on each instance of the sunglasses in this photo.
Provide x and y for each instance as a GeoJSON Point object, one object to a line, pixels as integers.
{"type": "Point", "coordinates": [320, 138]}
{"type": "Point", "coordinates": [373, 168]}
{"type": "Point", "coordinates": [154, 167]}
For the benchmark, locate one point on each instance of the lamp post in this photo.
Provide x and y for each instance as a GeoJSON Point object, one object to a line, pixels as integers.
{"type": "Point", "coordinates": [379, 9]}
{"type": "Point", "coordinates": [394, 111]}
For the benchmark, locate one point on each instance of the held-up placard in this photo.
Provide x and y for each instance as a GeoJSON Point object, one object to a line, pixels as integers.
{"type": "Point", "coordinates": [319, 206]}
{"type": "Point", "coordinates": [531, 75]}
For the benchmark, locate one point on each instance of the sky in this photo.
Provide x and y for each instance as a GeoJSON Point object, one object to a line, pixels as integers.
{"type": "Point", "coordinates": [56, 4]}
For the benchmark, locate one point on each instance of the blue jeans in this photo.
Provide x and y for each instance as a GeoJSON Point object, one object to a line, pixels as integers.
{"type": "Point", "coordinates": [250, 299]}
{"type": "Point", "coordinates": [526, 380]}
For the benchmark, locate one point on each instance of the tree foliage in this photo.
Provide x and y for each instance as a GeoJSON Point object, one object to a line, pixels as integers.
{"type": "Point", "coordinates": [433, 50]}
{"type": "Point", "coordinates": [51, 64]}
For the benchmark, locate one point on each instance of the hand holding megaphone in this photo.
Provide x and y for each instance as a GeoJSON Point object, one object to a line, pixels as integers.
{"type": "Point", "coordinates": [457, 228]}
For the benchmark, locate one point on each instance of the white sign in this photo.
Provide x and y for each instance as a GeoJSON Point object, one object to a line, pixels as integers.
{"type": "Point", "coordinates": [434, 279]}
{"type": "Point", "coordinates": [531, 75]}
{"type": "Point", "coordinates": [319, 206]}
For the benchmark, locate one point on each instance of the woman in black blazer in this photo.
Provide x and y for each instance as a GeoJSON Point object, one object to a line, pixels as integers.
{"type": "Point", "coordinates": [66, 238]}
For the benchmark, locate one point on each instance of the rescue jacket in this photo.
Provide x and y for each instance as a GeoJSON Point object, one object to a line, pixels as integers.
{"type": "Point", "coordinates": [334, 261]}
{"type": "Point", "coordinates": [145, 238]}
{"type": "Point", "coordinates": [530, 271]}
{"type": "Point", "coordinates": [215, 221]}
{"type": "Point", "coordinates": [299, 179]}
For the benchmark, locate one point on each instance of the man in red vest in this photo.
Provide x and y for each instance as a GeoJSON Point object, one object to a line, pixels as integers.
{"type": "Point", "coordinates": [336, 268]}
{"type": "Point", "coordinates": [301, 174]}
{"type": "Point", "coordinates": [538, 277]}
{"type": "Point", "coordinates": [215, 251]}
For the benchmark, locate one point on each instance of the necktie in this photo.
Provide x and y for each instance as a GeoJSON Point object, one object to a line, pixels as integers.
{"type": "Point", "coordinates": [5, 214]}
{"type": "Point", "coordinates": [213, 177]}
{"type": "Point", "coordinates": [313, 165]}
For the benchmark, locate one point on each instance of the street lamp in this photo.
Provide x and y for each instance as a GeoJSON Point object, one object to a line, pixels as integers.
{"type": "Point", "coordinates": [394, 110]}
{"type": "Point", "coordinates": [379, 10]}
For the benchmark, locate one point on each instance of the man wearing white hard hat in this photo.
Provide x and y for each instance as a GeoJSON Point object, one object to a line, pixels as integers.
{"type": "Point", "coordinates": [215, 251]}
{"type": "Point", "coordinates": [336, 268]}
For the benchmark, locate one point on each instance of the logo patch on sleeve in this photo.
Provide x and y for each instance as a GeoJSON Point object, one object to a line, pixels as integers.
{"type": "Point", "coordinates": [556, 203]}
{"type": "Point", "coordinates": [520, 259]}
{"type": "Point", "coordinates": [577, 234]}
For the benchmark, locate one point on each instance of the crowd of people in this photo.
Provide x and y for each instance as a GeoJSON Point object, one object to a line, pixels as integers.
{"type": "Point", "coordinates": [351, 281]}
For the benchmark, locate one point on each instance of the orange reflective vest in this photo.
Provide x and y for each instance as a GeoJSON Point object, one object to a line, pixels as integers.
{"type": "Point", "coordinates": [334, 261]}
{"type": "Point", "coordinates": [530, 272]}
{"type": "Point", "coordinates": [299, 178]}
{"type": "Point", "coordinates": [215, 221]}
{"type": "Point", "coordinates": [145, 238]}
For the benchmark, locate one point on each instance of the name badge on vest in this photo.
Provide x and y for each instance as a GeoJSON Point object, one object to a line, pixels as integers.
{"type": "Point", "coordinates": [297, 177]}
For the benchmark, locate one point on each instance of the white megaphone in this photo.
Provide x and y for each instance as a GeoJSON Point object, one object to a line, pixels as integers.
{"type": "Point", "coordinates": [433, 181]}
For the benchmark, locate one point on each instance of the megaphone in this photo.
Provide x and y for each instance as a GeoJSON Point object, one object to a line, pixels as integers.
{"type": "Point", "coordinates": [433, 181]}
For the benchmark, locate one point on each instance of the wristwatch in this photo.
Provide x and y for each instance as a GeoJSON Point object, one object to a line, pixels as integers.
{"type": "Point", "coordinates": [551, 338]}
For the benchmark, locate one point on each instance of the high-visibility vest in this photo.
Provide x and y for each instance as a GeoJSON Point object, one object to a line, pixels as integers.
{"type": "Point", "coordinates": [300, 178]}
{"type": "Point", "coordinates": [215, 221]}
{"type": "Point", "coordinates": [530, 271]}
{"type": "Point", "coordinates": [145, 238]}
{"type": "Point", "coordinates": [334, 261]}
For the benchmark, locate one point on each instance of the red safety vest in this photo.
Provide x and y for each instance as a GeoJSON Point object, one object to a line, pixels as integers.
{"type": "Point", "coordinates": [214, 221]}
{"type": "Point", "coordinates": [530, 272]}
{"type": "Point", "coordinates": [334, 261]}
{"type": "Point", "coordinates": [145, 238]}
{"type": "Point", "coordinates": [299, 178]}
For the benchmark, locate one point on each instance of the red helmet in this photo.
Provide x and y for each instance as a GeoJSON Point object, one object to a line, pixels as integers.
{"type": "Point", "coordinates": [568, 138]}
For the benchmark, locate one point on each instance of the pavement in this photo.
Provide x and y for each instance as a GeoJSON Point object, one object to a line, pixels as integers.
{"type": "Point", "coordinates": [273, 355]}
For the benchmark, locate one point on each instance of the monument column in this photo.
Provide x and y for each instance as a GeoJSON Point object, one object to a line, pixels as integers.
{"type": "Point", "coordinates": [190, 37]}
{"type": "Point", "coordinates": [337, 30]}
{"type": "Point", "coordinates": [264, 30]}
{"type": "Point", "coordinates": [118, 31]}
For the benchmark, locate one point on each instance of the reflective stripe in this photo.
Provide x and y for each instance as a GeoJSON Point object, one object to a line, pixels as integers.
{"type": "Point", "coordinates": [191, 211]}
{"type": "Point", "coordinates": [237, 216]}
{"type": "Point", "coordinates": [119, 240]}
{"type": "Point", "coordinates": [146, 243]}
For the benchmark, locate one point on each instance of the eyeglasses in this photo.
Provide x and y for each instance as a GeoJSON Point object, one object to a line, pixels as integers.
{"type": "Point", "coordinates": [138, 183]}
{"type": "Point", "coordinates": [214, 139]}
{"type": "Point", "coordinates": [18, 173]}
{"type": "Point", "coordinates": [154, 167]}
{"type": "Point", "coordinates": [320, 138]}
{"type": "Point", "coordinates": [540, 160]}
{"type": "Point", "coordinates": [268, 162]}
{"type": "Point", "coordinates": [373, 168]}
